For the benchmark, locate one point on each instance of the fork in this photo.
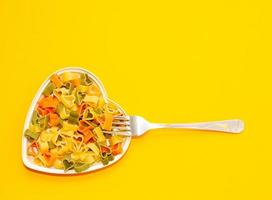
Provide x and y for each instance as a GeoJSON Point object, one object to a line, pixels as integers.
{"type": "Point", "coordinates": [137, 126]}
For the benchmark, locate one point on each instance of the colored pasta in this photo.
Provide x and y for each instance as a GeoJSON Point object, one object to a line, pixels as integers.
{"type": "Point", "coordinates": [67, 127]}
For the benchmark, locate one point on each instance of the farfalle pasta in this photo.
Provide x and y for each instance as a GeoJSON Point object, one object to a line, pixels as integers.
{"type": "Point", "coordinates": [67, 127]}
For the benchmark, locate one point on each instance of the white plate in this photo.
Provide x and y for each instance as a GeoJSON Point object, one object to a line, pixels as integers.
{"type": "Point", "coordinates": [27, 160]}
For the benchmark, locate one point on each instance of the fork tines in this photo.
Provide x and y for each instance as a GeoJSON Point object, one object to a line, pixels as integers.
{"type": "Point", "coordinates": [120, 126]}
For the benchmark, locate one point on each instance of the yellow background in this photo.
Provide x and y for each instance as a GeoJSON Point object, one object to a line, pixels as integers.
{"type": "Point", "coordinates": [169, 61]}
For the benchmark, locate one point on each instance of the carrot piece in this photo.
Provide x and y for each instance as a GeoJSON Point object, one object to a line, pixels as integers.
{"type": "Point", "coordinates": [53, 119]}
{"type": "Point", "coordinates": [108, 121]}
{"type": "Point", "coordinates": [56, 80]}
{"type": "Point", "coordinates": [116, 149]}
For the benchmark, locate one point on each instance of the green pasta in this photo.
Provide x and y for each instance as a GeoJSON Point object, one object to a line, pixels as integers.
{"type": "Point", "coordinates": [79, 167]}
{"type": "Point", "coordinates": [49, 89]}
{"type": "Point", "coordinates": [31, 135]}
{"type": "Point", "coordinates": [68, 165]}
{"type": "Point", "coordinates": [51, 145]}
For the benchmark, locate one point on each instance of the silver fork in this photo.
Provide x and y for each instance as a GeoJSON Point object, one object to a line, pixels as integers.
{"type": "Point", "coordinates": [137, 126]}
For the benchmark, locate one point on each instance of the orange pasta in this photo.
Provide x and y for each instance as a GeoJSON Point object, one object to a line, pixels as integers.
{"type": "Point", "coordinates": [76, 82]}
{"type": "Point", "coordinates": [32, 149]}
{"type": "Point", "coordinates": [56, 81]}
{"type": "Point", "coordinates": [53, 119]}
{"type": "Point", "coordinates": [48, 102]}
{"type": "Point", "coordinates": [84, 126]}
{"type": "Point", "coordinates": [49, 158]}
{"type": "Point", "coordinates": [116, 149]}
{"type": "Point", "coordinates": [87, 136]}
{"type": "Point", "coordinates": [108, 121]}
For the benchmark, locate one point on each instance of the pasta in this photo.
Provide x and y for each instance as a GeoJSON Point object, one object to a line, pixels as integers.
{"type": "Point", "coordinates": [67, 127]}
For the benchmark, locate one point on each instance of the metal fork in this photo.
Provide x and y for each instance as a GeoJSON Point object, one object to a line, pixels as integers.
{"type": "Point", "coordinates": [137, 126]}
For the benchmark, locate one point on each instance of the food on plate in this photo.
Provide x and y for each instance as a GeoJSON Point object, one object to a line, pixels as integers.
{"type": "Point", "coordinates": [67, 129]}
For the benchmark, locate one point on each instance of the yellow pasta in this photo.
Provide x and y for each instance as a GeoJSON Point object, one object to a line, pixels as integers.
{"type": "Point", "coordinates": [68, 76]}
{"type": "Point", "coordinates": [68, 100]}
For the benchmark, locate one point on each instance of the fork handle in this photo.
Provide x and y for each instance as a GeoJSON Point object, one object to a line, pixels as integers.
{"type": "Point", "coordinates": [228, 126]}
